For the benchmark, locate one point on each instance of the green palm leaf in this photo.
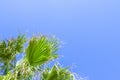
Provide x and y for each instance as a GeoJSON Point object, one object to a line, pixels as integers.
{"type": "Point", "coordinates": [57, 73]}
{"type": "Point", "coordinates": [41, 49]}
{"type": "Point", "coordinates": [8, 51]}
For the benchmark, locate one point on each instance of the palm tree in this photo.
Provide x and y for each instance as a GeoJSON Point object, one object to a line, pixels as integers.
{"type": "Point", "coordinates": [35, 64]}
{"type": "Point", "coordinates": [8, 51]}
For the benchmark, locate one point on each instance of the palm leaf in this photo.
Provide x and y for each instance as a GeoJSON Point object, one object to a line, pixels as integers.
{"type": "Point", "coordinates": [57, 73]}
{"type": "Point", "coordinates": [8, 51]}
{"type": "Point", "coordinates": [40, 50]}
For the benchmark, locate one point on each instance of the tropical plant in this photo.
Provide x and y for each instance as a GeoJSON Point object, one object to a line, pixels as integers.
{"type": "Point", "coordinates": [34, 64]}
{"type": "Point", "coordinates": [8, 51]}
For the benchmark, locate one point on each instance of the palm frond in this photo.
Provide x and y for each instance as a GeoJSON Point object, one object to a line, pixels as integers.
{"type": "Point", "coordinates": [9, 49]}
{"type": "Point", "coordinates": [40, 50]}
{"type": "Point", "coordinates": [57, 73]}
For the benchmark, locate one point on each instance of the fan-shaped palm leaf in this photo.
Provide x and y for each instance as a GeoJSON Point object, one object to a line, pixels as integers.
{"type": "Point", "coordinates": [57, 73]}
{"type": "Point", "coordinates": [40, 50]}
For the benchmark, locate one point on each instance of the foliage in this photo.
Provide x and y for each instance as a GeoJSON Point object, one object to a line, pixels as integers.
{"type": "Point", "coordinates": [40, 50]}
{"type": "Point", "coordinates": [8, 51]}
{"type": "Point", "coordinates": [57, 73]}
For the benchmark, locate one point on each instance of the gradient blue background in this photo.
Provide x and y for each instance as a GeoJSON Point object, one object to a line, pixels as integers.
{"type": "Point", "coordinates": [90, 30]}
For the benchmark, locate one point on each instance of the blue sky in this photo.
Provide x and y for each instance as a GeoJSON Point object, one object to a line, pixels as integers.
{"type": "Point", "coordinates": [90, 30]}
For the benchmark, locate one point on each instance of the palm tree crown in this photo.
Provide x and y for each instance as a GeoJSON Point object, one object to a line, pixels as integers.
{"type": "Point", "coordinates": [34, 65]}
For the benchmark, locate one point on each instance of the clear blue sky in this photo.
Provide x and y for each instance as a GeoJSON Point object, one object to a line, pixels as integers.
{"type": "Point", "coordinates": [90, 30]}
